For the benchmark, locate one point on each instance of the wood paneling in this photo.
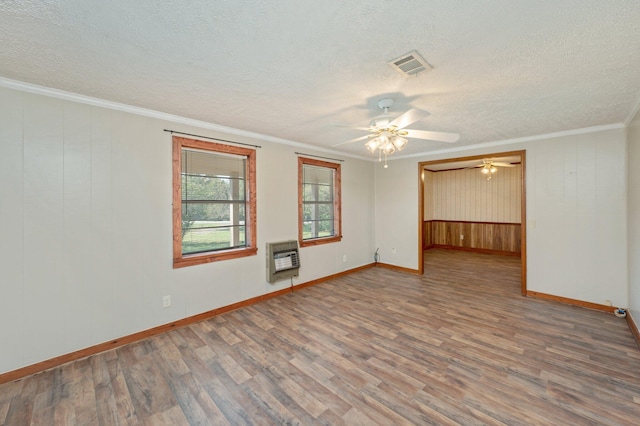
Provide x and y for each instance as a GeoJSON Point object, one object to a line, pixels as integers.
{"type": "Point", "coordinates": [498, 237]}
{"type": "Point", "coordinates": [427, 234]}
{"type": "Point", "coordinates": [378, 347]}
{"type": "Point", "coordinates": [466, 195]}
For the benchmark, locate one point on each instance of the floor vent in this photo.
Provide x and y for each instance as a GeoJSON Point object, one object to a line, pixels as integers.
{"type": "Point", "coordinates": [410, 64]}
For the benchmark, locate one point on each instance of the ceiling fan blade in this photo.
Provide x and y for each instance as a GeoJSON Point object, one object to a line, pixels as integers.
{"type": "Point", "coordinates": [352, 140]}
{"type": "Point", "coordinates": [500, 164]}
{"type": "Point", "coordinates": [409, 118]}
{"type": "Point", "coordinates": [366, 129]}
{"type": "Point", "coordinates": [434, 136]}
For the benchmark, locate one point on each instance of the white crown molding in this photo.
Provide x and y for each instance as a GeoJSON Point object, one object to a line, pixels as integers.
{"type": "Point", "coordinates": [632, 114]}
{"type": "Point", "coordinates": [573, 132]}
{"type": "Point", "coordinates": [88, 100]}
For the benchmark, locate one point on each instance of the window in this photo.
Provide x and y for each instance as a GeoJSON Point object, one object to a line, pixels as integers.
{"type": "Point", "coordinates": [214, 203]}
{"type": "Point", "coordinates": [319, 207]}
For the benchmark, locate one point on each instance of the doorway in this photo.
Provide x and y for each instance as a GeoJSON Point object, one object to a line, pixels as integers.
{"type": "Point", "coordinates": [484, 165]}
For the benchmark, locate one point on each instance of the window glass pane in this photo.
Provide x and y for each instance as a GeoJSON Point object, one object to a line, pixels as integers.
{"type": "Point", "coordinates": [213, 164]}
{"type": "Point", "coordinates": [308, 192]}
{"type": "Point", "coordinates": [324, 228]}
{"type": "Point", "coordinates": [325, 193]}
{"type": "Point", "coordinates": [318, 201]}
{"type": "Point", "coordinates": [213, 201]}
{"type": "Point", "coordinates": [317, 229]}
{"type": "Point", "coordinates": [306, 230]}
{"type": "Point", "coordinates": [212, 188]}
{"type": "Point", "coordinates": [325, 211]}
{"type": "Point", "coordinates": [312, 192]}
{"type": "Point", "coordinates": [317, 175]}
{"type": "Point", "coordinates": [213, 211]}
{"type": "Point", "coordinates": [317, 211]}
{"type": "Point", "coordinates": [207, 236]}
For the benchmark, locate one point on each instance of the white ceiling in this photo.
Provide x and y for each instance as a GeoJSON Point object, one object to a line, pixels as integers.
{"type": "Point", "coordinates": [293, 69]}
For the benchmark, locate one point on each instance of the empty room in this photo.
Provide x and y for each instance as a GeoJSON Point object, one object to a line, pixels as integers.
{"type": "Point", "coordinates": [302, 212]}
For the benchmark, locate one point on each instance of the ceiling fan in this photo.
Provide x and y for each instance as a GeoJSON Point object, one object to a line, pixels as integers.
{"type": "Point", "coordinates": [387, 134]}
{"type": "Point", "coordinates": [489, 167]}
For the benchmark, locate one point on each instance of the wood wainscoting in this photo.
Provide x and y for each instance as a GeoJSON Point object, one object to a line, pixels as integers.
{"type": "Point", "coordinates": [492, 237]}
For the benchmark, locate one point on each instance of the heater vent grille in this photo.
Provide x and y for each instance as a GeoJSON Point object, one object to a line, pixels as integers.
{"type": "Point", "coordinates": [283, 260]}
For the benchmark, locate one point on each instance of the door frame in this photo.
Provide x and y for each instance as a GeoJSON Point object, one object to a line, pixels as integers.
{"type": "Point", "coordinates": [523, 207]}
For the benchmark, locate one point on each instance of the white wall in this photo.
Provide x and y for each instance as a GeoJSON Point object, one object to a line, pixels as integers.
{"type": "Point", "coordinates": [86, 236]}
{"type": "Point", "coordinates": [633, 161]}
{"type": "Point", "coordinates": [576, 198]}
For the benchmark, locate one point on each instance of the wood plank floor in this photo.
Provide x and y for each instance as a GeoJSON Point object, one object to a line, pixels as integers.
{"type": "Point", "coordinates": [458, 345]}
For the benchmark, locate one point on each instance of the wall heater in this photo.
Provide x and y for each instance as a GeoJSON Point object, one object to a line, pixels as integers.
{"type": "Point", "coordinates": [283, 260]}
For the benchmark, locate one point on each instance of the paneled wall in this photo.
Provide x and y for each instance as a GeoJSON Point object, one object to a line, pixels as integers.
{"type": "Point", "coordinates": [467, 195]}
{"type": "Point", "coordinates": [86, 234]}
{"type": "Point", "coordinates": [633, 180]}
{"type": "Point", "coordinates": [427, 177]}
{"type": "Point", "coordinates": [482, 236]}
{"type": "Point", "coordinates": [576, 198]}
{"type": "Point", "coordinates": [462, 209]}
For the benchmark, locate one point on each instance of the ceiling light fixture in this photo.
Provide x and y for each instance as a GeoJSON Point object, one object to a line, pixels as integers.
{"type": "Point", "coordinates": [386, 138]}
{"type": "Point", "coordinates": [387, 133]}
{"type": "Point", "coordinates": [386, 141]}
{"type": "Point", "coordinates": [488, 169]}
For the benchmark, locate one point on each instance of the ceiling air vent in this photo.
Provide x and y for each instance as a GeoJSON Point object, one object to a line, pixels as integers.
{"type": "Point", "coordinates": [410, 64]}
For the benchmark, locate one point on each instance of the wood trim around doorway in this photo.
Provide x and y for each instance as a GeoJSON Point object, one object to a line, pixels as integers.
{"type": "Point", "coordinates": [523, 209]}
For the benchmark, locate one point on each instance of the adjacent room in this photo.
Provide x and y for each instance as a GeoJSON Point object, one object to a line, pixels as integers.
{"type": "Point", "coordinates": [278, 212]}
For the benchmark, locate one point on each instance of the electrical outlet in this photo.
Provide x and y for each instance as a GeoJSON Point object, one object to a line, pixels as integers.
{"type": "Point", "coordinates": [393, 250]}
{"type": "Point", "coordinates": [461, 237]}
{"type": "Point", "coordinates": [607, 302]}
{"type": "Point", "coordinates": [166, 301]}
{"type": "Point", "coordinates": [344, 258]}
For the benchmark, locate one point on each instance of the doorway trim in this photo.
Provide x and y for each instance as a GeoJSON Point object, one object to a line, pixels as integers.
{"type": "Point", "coordinates": [523, 208]}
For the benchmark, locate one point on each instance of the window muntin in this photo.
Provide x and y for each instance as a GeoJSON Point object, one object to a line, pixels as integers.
{"type": "Point", "coordinates": [214, 208]}
{"type": "Point", "coordinates": [319, 195]}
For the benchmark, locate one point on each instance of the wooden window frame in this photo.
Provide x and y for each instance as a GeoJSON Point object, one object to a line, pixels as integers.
{"type": "Point", "coordinates": [180, 260]}
{"type": "Point", "coordinates": [337, 202]}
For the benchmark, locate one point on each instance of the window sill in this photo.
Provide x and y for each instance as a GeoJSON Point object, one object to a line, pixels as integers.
{"type": "Point", "coordinates": [198, 259]}
{"type": "Point", "coordinates": [318, 241]}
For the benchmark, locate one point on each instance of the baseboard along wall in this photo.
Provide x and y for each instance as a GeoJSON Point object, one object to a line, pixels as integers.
{"type": "Point", "coordinates": [101, 347]}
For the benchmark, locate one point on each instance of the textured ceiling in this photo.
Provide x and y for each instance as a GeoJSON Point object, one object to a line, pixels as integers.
{"type": "Point", "coordinates": [294, 69]}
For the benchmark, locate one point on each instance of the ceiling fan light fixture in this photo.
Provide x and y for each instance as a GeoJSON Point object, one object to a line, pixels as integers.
{"type": "Point", "coordinates": [372, 145]}
{"type": "Point", "coordinates": [387, 133]}
{"type": "Point", "coordinates": [384, 138]}
{"type": "Point", "coordinates": [488, 168]}
{"type": "Point", "coordinates": [399, 142]}
{"type": "Point", "coordinates": [388, 148]}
